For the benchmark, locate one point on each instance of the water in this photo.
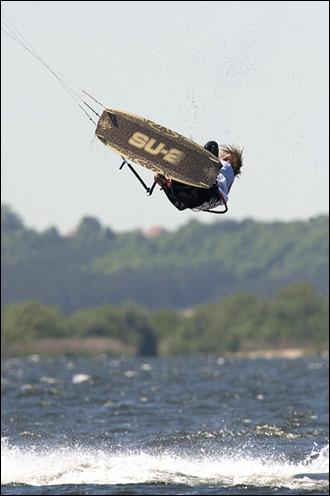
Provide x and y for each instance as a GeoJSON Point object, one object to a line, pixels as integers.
{"type": "Point", "coordinates": [165, 426]}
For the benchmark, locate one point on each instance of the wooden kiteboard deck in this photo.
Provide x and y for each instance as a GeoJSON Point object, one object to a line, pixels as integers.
{"type": "Point", "coordinates": [157, 148]}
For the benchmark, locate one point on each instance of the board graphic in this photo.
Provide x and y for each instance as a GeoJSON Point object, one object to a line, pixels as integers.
{"type": "Point", "coordinates": [158, 148]}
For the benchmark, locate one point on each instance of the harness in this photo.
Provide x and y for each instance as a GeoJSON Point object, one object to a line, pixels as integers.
{"type": "Point", "coordinates": [215, 199]}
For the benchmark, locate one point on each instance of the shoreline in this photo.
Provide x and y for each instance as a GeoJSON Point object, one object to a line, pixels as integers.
{"type": "Point", "coordinates": [68, 346]}
{"type": "Point", "coordinates": [91, 346]}
{"type": "Point", "coordinates": [288, 353]}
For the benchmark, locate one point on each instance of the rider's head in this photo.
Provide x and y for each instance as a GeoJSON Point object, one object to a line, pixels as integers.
{"type": "Point", "coordinates": [233, 155]}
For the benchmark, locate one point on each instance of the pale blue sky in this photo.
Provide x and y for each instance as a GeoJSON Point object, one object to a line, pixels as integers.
{"type": "Point", "coordinates": [250, 73]}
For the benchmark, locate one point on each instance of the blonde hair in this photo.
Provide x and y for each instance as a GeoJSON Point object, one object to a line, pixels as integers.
{"type": "Point", "coordinates": [236, 157]}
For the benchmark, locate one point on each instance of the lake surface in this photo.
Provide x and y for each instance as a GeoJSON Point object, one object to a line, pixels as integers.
{"type": "Point", "coordinates": [165, 426]}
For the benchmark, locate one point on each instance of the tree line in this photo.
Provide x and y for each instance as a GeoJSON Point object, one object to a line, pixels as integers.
{"type": "Point", "coordinates": [193, 265]}
{"type": "Point", "coordinates": [295, 316]}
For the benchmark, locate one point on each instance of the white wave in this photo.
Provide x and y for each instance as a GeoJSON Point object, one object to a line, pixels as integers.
{"type": "Point", "coordinates": [79, 465]}
{"type": "Point", "coordinates": [79, 378]}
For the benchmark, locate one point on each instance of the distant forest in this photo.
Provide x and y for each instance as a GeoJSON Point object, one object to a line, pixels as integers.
{"type": "Point", "coordinates": [294, 317]}
{"type": "Point", "coordinates": [227, 286]}
{"type": "Point", "coordinates": [196, 264]}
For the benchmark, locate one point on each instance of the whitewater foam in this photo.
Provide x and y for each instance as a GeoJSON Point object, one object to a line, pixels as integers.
{"type": "Point", "coordinates": [80, 465]}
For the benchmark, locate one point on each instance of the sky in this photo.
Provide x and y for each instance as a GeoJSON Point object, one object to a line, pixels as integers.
{"type": "Point", "coordinates": [255, 74]}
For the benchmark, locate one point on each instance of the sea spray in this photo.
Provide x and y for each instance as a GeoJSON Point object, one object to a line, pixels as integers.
{"type": "Point", "coordinates": [84, 465]}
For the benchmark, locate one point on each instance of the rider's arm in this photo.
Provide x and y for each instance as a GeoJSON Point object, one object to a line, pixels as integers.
{"type": "Point", "coordinates": [225, 179]}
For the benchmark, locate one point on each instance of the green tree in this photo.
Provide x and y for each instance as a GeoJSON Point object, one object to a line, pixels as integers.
{"type": "Point", "coordinates": [10, 221]}
{"type": "Point", "coordinates": [31, 320]}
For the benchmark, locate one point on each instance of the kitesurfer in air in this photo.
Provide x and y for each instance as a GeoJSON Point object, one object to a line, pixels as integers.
{"type": "Point", "coordinates": [184, 196]}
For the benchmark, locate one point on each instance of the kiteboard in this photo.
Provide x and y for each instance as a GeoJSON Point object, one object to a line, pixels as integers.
{"type": "Point", "coordinates": [158, 148]}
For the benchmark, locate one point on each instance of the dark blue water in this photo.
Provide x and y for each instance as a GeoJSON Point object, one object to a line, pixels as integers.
{"type": "Point", "coordinates": [165, 426]}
